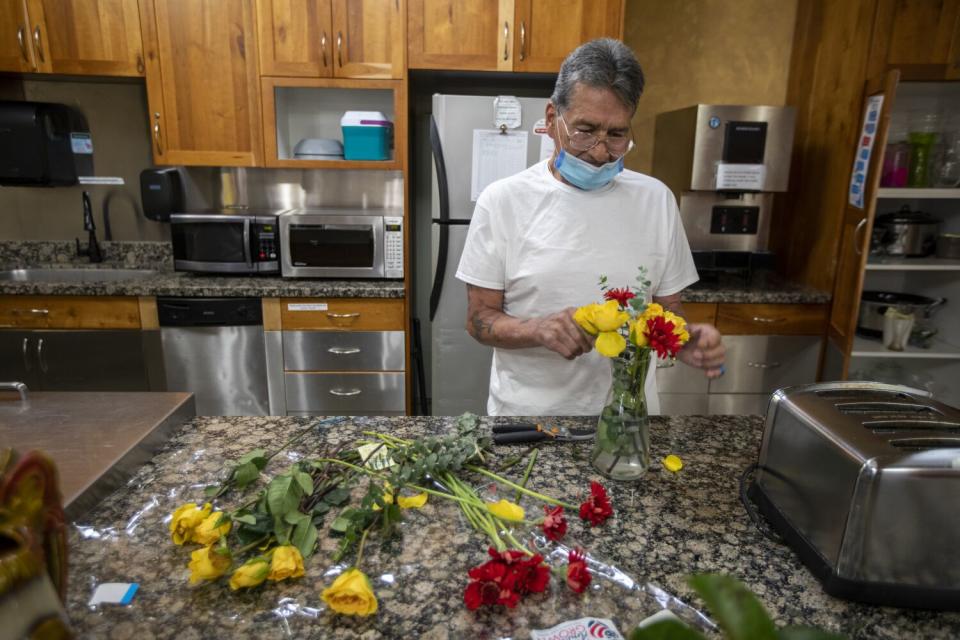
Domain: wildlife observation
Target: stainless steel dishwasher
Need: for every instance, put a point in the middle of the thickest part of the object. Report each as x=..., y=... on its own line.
x=214, y=347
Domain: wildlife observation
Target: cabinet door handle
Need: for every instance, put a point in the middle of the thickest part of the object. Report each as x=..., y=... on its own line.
x=323, y=47
x=36, y=41
x=40, y=312
x=23, y=45
x=26, y=358
x=343, y=351
x=19, y=387
x=156, y=132
x=340, y=48
x=523, y=41
x=768, y=320
x=856, y=232
x=506, y=40
x=763, y=365
x=340, y=391
x=341, y=316
x=43, y=363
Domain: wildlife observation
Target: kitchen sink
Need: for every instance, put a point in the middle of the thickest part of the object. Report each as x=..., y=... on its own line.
x=74, y=275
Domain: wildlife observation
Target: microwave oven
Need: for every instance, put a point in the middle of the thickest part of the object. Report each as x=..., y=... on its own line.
x=225, y=242
x=341, y=243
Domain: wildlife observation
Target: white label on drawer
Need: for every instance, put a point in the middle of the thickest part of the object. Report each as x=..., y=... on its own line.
x=307, y=306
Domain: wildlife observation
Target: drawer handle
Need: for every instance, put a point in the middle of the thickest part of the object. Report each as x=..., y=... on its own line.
x=763, y=365
x=355, y=314
x=343, y=351
x=40, y=312
x=19, y=387
x=768, y=320
x=338, y=391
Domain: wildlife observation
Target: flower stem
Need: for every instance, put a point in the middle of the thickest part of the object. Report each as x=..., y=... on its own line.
x=253, y=544
x=526, y=474
x=514, y=485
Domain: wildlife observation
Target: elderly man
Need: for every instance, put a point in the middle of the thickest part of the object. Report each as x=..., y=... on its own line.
x=539, y=240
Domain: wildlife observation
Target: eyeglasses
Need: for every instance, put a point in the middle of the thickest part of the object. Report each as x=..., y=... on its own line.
x=616, y=143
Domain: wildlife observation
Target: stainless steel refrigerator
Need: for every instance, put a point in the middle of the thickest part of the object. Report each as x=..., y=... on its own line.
x=459, y=366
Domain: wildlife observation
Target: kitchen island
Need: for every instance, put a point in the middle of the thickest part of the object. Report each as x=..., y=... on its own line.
x=664, y=528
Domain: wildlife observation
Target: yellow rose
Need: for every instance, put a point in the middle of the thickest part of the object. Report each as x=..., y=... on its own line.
x=609, y=317
x=637, y=335
x=610, y=344
x=186, y=519
x=207, y=564
x=351, y=594
x=506, y=510
x=286, y=563
x=583, y=316
x=652, y=311
x=412, y=502
x=250, y=574
x=207, y=533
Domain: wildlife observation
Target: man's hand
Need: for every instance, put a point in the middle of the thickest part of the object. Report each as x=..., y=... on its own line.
x=560, y=332
x=704, y=350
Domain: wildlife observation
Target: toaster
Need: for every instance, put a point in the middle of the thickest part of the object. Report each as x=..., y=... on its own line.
x=862, y=480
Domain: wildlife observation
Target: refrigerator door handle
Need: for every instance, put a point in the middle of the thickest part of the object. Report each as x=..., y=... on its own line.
x=444, y=202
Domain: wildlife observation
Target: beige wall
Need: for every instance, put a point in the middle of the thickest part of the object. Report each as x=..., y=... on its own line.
x=116, y=113
x=706, y=51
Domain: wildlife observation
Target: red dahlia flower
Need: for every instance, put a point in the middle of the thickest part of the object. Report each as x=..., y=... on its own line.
x=597, y=508
x=554, y=524
x=661, y=337
x=622, y=295
x=578, y=576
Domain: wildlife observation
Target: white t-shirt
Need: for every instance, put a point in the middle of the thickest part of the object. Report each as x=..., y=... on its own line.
x=545, y=244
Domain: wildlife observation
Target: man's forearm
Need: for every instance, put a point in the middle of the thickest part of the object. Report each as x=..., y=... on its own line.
x=497, y=329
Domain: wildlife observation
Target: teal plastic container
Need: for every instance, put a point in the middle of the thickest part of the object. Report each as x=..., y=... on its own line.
x=366, y=135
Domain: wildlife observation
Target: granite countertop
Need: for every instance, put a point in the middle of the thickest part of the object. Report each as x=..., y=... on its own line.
x=762, y=287
x=664, y=528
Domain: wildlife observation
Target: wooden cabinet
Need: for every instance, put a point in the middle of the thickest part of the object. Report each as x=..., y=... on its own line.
x=921, y=38
x=82, y=37
x=331, y=38
x=772, y=319
x=69, y=312
x=16, y=52
x=203, y=87
x=509, y=35
x=342, y=314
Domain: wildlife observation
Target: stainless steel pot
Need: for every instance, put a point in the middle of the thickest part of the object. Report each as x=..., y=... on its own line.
x=873, y=304
x=906, y=233
x=948, y=246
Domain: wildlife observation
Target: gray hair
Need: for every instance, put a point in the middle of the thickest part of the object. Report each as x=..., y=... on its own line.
x=604, y=63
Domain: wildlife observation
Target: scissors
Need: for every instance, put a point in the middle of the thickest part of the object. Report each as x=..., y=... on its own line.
x=527, y=432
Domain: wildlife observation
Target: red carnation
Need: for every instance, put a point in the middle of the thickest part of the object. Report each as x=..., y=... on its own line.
x=622, y=295
x=597, y=508
x=663, y=340
x=554, y=524
x=505, y=578
x=578, y=576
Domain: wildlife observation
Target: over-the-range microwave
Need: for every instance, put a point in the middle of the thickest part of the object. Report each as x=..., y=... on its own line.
x=341, y=243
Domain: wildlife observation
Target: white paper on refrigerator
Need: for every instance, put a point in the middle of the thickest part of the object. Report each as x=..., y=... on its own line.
x=496, y=155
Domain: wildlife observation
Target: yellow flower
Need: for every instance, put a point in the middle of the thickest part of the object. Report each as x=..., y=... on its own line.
x=679, y=326
x=351, y=594
x=207, y=533
x=652, y=311
x=412, y=502
x=637, y=335
x=608, y=316
x=506, y=510
x=186, y=519
x=250, y=574
x=286, y=563
x=207, y=564
x=610, y=344
x=583, y=316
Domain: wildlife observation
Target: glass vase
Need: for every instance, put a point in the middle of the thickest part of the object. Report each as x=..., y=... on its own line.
x=621, y=449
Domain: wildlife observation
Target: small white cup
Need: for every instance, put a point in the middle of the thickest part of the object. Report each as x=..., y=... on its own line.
x=896, y=328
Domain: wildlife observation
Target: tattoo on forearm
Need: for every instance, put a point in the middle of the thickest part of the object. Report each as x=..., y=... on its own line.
x=481, y=326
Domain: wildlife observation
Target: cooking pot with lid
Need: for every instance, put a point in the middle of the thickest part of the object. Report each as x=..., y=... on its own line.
x=906, y=233
x=873, y=304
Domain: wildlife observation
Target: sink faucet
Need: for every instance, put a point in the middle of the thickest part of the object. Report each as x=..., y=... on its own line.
x=93, y=249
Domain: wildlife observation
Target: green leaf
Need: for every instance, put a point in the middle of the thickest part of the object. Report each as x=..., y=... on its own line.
x=305, y=482
x=807, y=633
x=666, y=630
x=283, y=495
x=320, y=508
x=282, y=529
x=245, y=473
x=211, y=490
x=295, y=517
x=336, y=497
x=340, y=524
x=305, y=538
x=737, y=610
x=247, y=518
x=258, y=457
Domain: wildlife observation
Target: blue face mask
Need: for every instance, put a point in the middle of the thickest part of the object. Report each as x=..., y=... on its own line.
x=584, y=175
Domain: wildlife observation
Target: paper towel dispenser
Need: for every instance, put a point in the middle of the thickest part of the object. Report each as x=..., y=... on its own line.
x=43, y=144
